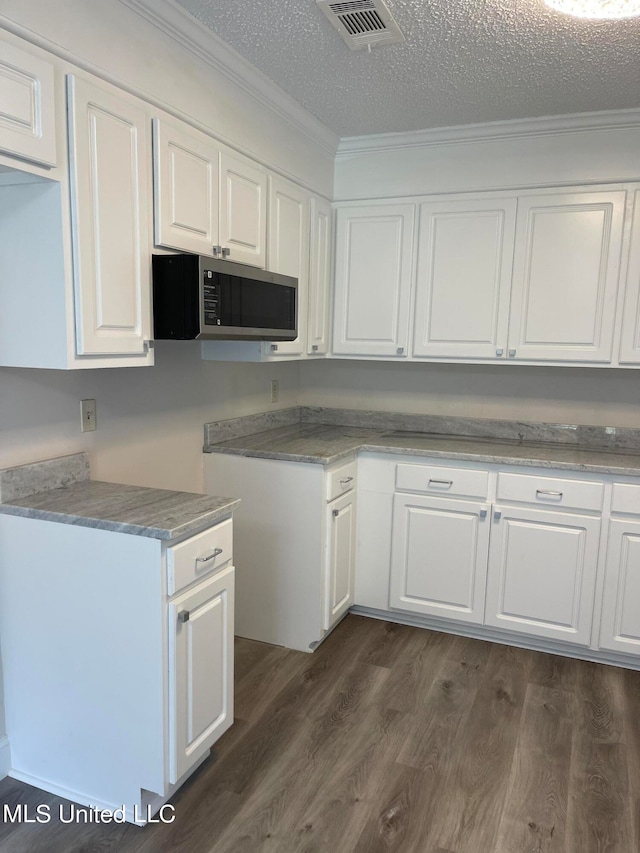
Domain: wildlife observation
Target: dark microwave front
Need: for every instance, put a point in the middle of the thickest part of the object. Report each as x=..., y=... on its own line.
x=198, y=297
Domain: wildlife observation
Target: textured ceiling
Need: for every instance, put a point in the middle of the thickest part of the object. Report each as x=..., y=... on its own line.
x=464, y=61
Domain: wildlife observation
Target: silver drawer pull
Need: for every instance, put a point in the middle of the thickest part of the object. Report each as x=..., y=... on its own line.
x=548, y=493
x=441, y=482
x=183, y=616
x=216, y=553
x=346, y=481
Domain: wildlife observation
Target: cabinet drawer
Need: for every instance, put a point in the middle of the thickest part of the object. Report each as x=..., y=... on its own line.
x=341, y=480
x=196, y=557
x=550, y=491
x=626, y=498
x=435, y=480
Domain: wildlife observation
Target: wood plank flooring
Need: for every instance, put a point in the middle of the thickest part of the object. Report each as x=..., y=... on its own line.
x=397, y=739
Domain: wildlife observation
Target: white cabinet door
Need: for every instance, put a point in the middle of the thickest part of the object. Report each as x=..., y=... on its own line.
x=109, y=162
x=243, y=209
x=620, y=625
x=439, y=557
x=27, y=106
x=186, y=168
x=374, y=263
x=289, y=249
x=630, y=341
x=465, y=253
x=341, y=552
x=542, y=570
x=319, y=277
x=200, y=670
x=565, y=279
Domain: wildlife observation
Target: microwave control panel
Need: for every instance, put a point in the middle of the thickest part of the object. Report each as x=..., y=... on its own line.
x=211, y=295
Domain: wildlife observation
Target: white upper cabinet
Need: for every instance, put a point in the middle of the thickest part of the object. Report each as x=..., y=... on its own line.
x=464, y=278
x=27, y=108
x=565, y=279
x=109, y=160
x=186, y=171
x=374, y=267
x=289, y=249
x=208, y=199
x=319, y=277
x=243, y=209
x=630, y=341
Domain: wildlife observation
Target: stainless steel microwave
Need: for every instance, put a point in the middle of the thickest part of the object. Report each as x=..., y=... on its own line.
x=198, y=297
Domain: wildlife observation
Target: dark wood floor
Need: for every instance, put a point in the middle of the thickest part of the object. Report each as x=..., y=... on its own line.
x=391, y=738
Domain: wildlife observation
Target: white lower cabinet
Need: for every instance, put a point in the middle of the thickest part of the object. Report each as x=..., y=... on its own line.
x=620, y=624
x=439, y=557
x=542, y=572
x=200, y=669
x=297, y=556
x=104, y=662
x=341, y=557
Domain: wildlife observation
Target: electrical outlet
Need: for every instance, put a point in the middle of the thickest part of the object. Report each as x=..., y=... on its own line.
x=274, y=390
x=88, y=415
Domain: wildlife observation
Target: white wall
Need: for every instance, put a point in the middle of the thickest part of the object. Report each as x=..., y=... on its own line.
x=551, y=394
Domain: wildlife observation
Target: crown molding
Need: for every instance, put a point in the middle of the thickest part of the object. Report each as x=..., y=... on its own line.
x=200, y=41
x=498, y=130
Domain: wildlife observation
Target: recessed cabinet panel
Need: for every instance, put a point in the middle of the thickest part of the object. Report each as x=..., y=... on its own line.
x=542, y=569
x=341, y=557
x=373, y=280
x=108, y=164
x=243, y=209
x=439, y=557
x=289, y=249
x=27, y=110
x=201, y=669
x=565, y=279
x=319, y=277
x=464, y=278
x=620, y=626
x=630, y=341
x=186, y=174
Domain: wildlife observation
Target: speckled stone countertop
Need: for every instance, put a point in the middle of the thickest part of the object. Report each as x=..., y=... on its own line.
x=70, y=497
x=326, y=444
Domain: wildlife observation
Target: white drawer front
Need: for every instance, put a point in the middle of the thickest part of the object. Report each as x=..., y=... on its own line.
x=198, y=556
x=626, y=498
x=341, y=480
x=436, y=480
x=550, y=491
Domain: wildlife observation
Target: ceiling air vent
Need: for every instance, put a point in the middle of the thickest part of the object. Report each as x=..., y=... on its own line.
x=362, y=23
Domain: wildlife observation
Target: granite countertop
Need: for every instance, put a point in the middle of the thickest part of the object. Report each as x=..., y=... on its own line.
x=325, y=444
x=155, y=513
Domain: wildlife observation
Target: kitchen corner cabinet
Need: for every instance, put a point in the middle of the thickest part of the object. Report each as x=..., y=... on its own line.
x=118, y=674
x=27, y=114
x=373, y=279
x=207, y=198
x=463, y=278
x=109, y=157
x=320, y=277
x=630, y=338
x=288, y=252
x=297, y=557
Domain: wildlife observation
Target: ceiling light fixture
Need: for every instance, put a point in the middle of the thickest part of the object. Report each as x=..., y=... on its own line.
x=597, y=9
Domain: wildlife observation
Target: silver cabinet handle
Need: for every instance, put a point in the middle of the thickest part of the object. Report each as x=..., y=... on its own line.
x=400, y=350
x=315, y=347
x=500, y=353
x=226, y=252
x=215, y=251
x=497, y=515
x=441, y=482
x=274, y=347
x=549, y=493
x=483, y=513
x=346, y=481
x=183, y=616
x=212, y=556
x=512, y=353
x=335, y=513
